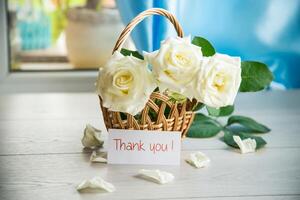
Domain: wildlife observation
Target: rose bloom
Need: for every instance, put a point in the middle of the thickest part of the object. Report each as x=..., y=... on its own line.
x=218, y=81
x=175, y=65
x=125, y=84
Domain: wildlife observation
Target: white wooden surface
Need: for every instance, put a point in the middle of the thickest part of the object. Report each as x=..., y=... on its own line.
x=41, y=156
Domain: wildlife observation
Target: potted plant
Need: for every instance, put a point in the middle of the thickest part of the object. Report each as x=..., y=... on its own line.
x=90, y=32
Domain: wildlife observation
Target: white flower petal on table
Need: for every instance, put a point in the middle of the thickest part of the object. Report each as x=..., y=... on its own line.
x=156, y=176
x=92, y=137
x=98, y=158
x=96, y=183
x=198, y=160
x=246, y=146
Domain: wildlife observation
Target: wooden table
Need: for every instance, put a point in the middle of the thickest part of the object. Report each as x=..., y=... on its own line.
x=42, y=156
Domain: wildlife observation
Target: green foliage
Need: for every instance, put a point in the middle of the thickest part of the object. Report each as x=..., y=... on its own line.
x=203, y=127
x=255, y=76
x=198, y=106
x=206, y=47
x=176, y=97
x=58, y=15
x=249, y=124
x=219, y=112
x=136, y=54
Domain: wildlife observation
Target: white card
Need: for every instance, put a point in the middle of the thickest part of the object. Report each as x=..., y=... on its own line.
x=143, y=147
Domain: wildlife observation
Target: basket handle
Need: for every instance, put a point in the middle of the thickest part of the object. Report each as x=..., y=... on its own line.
x=153, y=11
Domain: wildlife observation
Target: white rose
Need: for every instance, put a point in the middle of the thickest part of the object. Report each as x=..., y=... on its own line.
x=125, y=84
x=175, y=65
x=219, y=80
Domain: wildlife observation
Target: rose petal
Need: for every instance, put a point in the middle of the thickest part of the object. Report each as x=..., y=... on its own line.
x=98, y=158
x=198, y=160
x=96, y=183
x=156, y=176
x=92, y=137
x=246, y=146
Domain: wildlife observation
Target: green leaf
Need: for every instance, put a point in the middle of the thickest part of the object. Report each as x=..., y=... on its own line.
x=198, y=106
x=176, y=97
x=206, y=47
x=220, y=112
x=203, y=127
x=255, y=76
x=250, y=124
x=136, y=54
x=202, y=117
x=228, y=139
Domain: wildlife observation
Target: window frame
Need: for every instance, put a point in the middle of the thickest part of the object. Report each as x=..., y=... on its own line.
x=56, y=81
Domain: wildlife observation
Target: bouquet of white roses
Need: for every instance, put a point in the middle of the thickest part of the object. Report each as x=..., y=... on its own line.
x=190, y=74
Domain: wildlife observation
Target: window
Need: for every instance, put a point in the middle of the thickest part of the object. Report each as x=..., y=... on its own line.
x=52, y=35
x=55, y=45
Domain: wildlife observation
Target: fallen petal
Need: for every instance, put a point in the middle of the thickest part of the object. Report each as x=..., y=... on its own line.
x=92, y=137
x=157, y=176
x=198, y=160
x=96, y=183
x=246, y=146
x=101, y=158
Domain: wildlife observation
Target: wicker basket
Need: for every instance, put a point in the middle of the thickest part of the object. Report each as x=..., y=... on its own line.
x=160, y=112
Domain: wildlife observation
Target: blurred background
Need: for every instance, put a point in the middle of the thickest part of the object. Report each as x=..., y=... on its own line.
x=77, y=35
x=61, y=34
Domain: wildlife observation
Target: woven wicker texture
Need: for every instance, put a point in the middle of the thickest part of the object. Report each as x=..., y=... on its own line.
x=160, y=112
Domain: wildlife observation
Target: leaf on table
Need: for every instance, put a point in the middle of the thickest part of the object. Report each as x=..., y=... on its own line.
x=248, y=124
x=203, y=127
x=136, y=54
x=228, y=139
x=206, y=47
x=255, y=76
x=220, y=112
